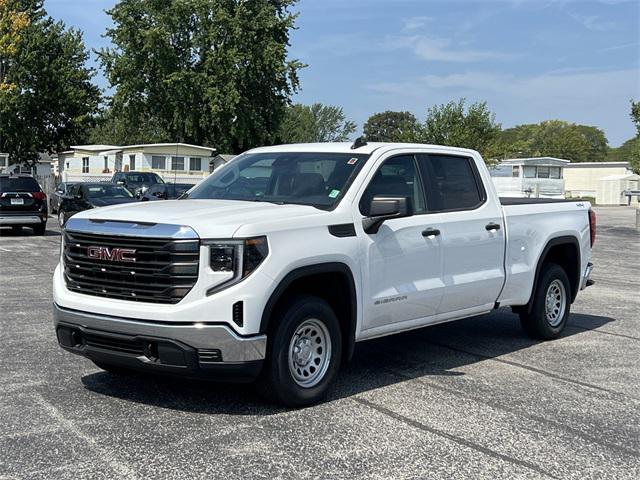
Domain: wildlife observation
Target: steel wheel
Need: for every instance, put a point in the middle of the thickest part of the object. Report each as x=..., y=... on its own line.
x=555, y=303
x=61, y=218
x=309, y=353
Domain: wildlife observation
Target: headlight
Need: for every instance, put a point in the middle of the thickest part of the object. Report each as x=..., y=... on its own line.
x=239, y=257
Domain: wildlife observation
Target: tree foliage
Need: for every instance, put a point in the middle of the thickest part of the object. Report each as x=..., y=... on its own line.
x=48, y=100
x=455, y=125
x=634, y=150
x=392, y=127
x=552, y=138
x=209, y=72
x=315, y=123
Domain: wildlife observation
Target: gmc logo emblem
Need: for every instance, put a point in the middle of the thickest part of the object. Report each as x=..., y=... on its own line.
x=112, y=254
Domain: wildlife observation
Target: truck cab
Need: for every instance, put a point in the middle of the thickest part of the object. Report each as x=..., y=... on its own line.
x=273, y=267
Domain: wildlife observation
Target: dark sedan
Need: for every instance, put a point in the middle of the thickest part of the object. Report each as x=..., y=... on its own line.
x=165, y=191
x=84, y=196
x=62, y=190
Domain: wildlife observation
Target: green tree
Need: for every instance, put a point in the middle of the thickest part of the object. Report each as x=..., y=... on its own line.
x=552, y=138
x=210, y=72
x=315, y=123
x=634, y=154
x=392, y=127
x=47, y=100
x=455, y=125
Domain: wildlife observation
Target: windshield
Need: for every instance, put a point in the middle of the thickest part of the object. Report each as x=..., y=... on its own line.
x=317, y=179
x=18, y=184
x=108, y=191
x=143, y=178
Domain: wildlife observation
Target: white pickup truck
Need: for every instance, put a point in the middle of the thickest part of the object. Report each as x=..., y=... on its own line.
x=273, y=267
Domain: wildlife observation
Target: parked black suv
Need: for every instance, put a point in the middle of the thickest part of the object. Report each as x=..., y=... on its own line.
x=165, y=191
x=22, y=203
x=136, y=182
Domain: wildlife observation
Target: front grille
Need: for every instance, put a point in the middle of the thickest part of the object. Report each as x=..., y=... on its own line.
x=164, y=271
x=116, y=344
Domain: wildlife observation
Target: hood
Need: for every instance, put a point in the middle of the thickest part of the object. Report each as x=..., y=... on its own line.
x=209, y=218
x=103, y=202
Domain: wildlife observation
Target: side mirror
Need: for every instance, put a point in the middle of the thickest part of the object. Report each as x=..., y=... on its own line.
x=386, y=208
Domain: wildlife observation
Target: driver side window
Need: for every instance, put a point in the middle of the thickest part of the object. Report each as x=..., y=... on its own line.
x=396, y=177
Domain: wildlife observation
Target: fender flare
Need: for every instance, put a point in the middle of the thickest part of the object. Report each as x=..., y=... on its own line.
x=309, y=270
x=554, y=242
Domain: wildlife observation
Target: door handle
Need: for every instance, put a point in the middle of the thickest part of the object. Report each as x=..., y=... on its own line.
x=492, y=226
x=430, y=232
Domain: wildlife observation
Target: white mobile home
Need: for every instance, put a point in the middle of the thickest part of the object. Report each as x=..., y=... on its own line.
x=530, y=177
x=179, y=161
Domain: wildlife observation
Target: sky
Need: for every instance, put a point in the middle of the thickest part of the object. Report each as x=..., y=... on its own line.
x=530, y=60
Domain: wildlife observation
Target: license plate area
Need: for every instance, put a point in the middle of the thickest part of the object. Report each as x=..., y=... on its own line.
x=17, y=201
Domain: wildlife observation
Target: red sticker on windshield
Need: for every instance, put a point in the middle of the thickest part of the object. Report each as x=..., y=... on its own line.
x=352, y=161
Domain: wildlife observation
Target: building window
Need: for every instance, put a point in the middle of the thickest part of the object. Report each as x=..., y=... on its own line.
x=516, y=171
x=132, y=162
x=543, y=172
x=529, y=172
x=158, y=162
x=106, y=163
x=195, y=164
x=177, y=163
x=3, y=161
x=85, y=164
x=555, y=172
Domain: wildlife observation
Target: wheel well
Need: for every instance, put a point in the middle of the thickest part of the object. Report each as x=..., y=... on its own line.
x=563, y=251
x=333, y=285
x=568, y=257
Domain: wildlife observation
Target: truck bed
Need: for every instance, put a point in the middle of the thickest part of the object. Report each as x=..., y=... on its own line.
x=529, y=201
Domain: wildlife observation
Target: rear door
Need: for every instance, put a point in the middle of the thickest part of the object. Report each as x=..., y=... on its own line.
x=471, y=233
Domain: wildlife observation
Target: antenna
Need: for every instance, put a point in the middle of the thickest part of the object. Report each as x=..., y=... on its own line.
x=360, y=142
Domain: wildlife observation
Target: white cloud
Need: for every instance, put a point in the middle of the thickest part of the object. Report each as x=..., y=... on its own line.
x=594, y=22
x=416, y=23
x=592, y=98
x=444, y=50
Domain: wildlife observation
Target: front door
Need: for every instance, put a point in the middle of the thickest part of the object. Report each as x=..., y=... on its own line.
x=402, y=266
x=471, y=233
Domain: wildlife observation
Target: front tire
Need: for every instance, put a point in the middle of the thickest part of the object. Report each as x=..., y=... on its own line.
x=550, y=308
x=112, y=369
x=40, y=229
x=304, y=352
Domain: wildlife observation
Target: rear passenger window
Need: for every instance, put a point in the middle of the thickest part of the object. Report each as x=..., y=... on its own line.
x=396, y=177
x=451, y=183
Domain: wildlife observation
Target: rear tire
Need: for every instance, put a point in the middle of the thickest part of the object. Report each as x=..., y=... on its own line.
x=551, y=304
x=40, y=229
x=303, y=354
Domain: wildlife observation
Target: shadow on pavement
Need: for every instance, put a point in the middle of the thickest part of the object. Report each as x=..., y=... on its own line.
x=431, y=351
x=26, y=232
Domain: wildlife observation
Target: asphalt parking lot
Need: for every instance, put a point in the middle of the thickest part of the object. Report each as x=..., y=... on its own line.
x=469, y=399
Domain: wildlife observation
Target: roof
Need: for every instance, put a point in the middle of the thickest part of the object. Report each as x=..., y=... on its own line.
x=345, y=147
x=626, y=176
x=94, y=148
x=144, y=145
x=536, y=161
x=599, y=165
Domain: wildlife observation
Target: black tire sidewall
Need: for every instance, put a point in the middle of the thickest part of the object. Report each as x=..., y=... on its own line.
x=536, y=322
x=283, y=387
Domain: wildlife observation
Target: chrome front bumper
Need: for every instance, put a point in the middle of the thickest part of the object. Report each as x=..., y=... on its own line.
x=234, y=349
